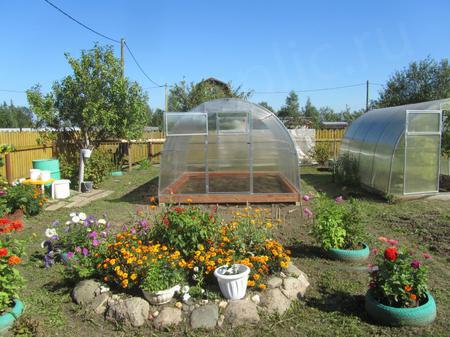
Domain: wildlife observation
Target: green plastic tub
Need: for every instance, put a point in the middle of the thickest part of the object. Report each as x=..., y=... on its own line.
x=51, y=165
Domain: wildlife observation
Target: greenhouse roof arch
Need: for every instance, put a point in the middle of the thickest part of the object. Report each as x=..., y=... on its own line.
x=228, y=151
x=397, y=149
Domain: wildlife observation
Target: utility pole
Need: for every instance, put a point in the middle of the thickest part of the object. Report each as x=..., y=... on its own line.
x=166, y=95
x=367, y=95
x=122, y=58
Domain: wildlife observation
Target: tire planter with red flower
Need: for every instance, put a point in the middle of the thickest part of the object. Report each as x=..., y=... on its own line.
x=348, y=255
x=8, y=318
x=393, y=316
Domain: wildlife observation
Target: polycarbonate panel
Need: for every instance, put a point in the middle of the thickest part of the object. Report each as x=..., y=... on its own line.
x=422, y=163
x=398, y=165
x=246, y=149
x=184, y=123
x=423, y=122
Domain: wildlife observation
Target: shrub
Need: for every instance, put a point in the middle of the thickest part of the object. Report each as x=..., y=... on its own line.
x=28, y=198
x=399, y=279
x=11, y=250
x=185, y=228
x=347, y=170
x=162, y=274
x=337, y=224
x=321, y=153
x=96, y=169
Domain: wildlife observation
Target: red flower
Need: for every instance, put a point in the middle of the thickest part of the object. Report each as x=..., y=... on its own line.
x=3, y=251
x=391, y=253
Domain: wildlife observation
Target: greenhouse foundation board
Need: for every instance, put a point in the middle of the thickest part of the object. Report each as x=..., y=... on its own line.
x=230, y=187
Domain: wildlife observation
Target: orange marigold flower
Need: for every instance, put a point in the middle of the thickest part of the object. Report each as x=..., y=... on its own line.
x=262, y=286
x=250, y=283
x=14, y=259
x=256, y=277
x=408, y=288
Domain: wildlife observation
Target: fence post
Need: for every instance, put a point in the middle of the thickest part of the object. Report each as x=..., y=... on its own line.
x=130, y=162
x=8, y=167
x=151, y=151
x=54, y=150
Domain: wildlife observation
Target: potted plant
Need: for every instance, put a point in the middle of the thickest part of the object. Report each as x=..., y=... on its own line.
x=162, y=281
x=232, y=280
x=11, y=280
x=398, y=293
x=337, y=226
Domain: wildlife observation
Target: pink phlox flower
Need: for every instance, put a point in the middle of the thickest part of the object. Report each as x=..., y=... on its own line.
x=426, y=256
x=415, y=264
x=307, y=212
x=382, y=238
x=306, y=197
x=392, y=241
x=339, y=199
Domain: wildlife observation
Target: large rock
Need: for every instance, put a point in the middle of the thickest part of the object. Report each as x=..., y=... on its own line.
x=274, y=301
x=167, y=317
x=241, y=312
x=205, y=317
x=274, y=282
x=292, y=270
x=131, y=311
x=293, y=288
x=85, y=291
x=99, y=304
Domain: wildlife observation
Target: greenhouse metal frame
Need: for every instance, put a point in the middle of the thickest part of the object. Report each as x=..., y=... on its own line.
x=228, y=151
x=397, y=150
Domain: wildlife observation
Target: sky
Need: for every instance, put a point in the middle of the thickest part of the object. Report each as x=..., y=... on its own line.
x=266, y=46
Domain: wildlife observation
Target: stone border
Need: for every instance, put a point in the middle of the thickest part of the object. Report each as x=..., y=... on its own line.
x=290, y=285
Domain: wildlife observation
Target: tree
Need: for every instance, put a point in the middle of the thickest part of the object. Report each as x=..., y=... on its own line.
x=266, y=105
x=184, y=97
x=291, y=108
x=421, y=81
x=349, y=116
x=156, y=118
x=310, y=112
x=96, y=100
x=327, y=114
x=12, y=116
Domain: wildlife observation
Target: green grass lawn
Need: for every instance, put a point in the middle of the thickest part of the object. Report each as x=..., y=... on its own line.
x=334, y=303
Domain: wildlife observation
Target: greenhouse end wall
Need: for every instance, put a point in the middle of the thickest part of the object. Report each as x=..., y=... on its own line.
x=228, y=150
x=397, y=149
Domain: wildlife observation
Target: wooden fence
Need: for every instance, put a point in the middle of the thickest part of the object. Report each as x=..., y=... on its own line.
x=332, y=138
x=27, y=149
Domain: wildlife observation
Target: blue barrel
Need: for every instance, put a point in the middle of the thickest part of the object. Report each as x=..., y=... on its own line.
x=51, y=165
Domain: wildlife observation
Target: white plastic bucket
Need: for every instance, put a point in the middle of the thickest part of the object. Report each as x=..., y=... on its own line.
x=61, y=189
x=45, y=175
x=233, y=287
x=35, y=174
x=86, y=153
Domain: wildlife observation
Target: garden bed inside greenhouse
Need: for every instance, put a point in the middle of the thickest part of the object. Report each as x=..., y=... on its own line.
x=230, y=187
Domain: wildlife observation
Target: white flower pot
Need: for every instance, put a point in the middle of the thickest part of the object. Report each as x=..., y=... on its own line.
x=161, y=297
x=233, y=287
x=86, y=153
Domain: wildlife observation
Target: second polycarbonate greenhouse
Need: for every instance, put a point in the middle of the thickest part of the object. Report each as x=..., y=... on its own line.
x=397, y=150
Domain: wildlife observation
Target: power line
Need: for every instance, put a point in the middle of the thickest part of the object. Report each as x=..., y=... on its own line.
x=310, y=90
x=80, y=23
x=13, y=91
x=139, y=66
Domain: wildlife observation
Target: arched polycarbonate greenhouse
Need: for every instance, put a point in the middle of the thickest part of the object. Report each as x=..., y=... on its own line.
x=228, y=151
x=397, y=149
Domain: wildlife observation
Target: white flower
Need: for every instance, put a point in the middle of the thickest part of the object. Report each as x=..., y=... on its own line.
x=75, y=219
x=50, y=232
x=82, y=216
x=195, y=269
x=185, y=289
x=186, y=297
x=43, y=244
x=102, y=221
x=72, y=214
x=68, y=222
x=103, y=289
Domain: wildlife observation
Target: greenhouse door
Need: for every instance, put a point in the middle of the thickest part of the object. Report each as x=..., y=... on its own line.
x=229, y=154
x=423, y=147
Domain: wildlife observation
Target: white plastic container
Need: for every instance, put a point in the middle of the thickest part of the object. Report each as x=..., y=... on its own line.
x=35, y=174
x=233, y=287
x=45, y=175
x=161, y=297
x=86, y=153
x=61, y=189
